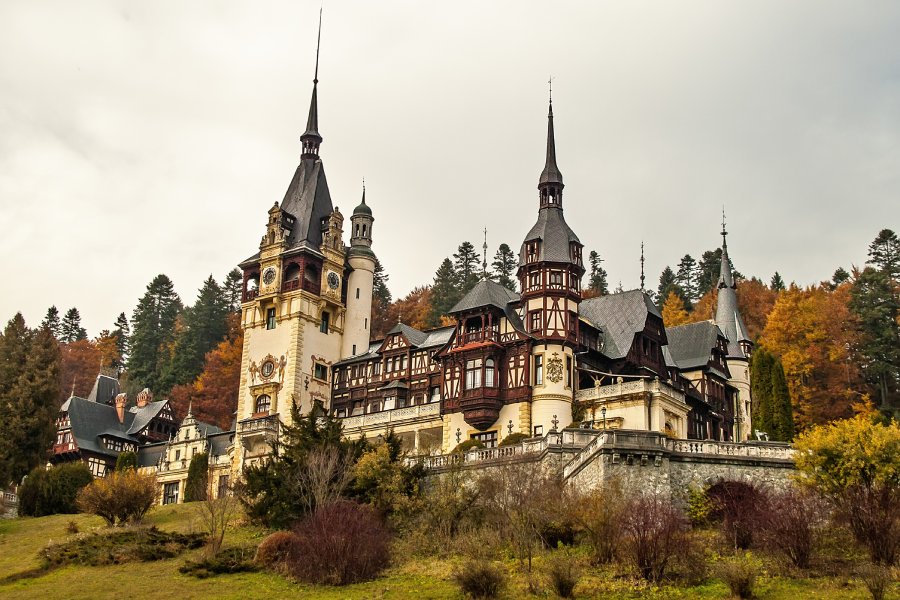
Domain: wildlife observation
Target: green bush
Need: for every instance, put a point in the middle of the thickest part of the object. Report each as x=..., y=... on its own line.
x=53, y=491
x=468, y=445
x=699, y=506
x=135, y=545
x=126, y=460
x=480, y=579
x=513, y=439
x=120, y=497
x=232, y=560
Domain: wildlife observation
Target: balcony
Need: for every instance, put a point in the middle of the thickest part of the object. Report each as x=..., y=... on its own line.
x=625, y=388
x=481, y=406
x=479, y=336
x=251, y=295
x=397, y=415
x=65, y=448
x=259, y=429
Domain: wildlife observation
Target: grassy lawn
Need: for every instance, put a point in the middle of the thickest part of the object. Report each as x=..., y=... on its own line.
x=21, y=541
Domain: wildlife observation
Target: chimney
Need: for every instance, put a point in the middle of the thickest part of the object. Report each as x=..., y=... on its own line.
x=121, y=399
x=144, y=398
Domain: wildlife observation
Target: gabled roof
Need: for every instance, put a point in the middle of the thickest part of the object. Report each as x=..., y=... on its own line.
x=415, y=337
x=90, y=420
x=485, y=293
x=555, y=235
x=438, y=337
x=143, y=416
x=105, y=390
x=692, y=345
x=618, y=317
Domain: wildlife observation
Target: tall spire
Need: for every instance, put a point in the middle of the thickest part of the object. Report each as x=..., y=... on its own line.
x=550, y=176
x=725, y=277
x=642, y=265
x=311, y=138
x=728, y=316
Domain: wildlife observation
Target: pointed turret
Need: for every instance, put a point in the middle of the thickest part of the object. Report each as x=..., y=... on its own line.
x=728, y=316
x=551, y=175
x=311, y=138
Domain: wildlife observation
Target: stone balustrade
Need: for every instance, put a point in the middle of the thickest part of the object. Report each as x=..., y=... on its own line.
x=607, y=392
x=392, y=416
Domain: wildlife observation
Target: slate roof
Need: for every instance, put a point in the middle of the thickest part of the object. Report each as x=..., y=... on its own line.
x=90, y=420
x=143, y=416
x=555, y=235
x=692, y=345
x=149, y=454
x=486, y=293
x=371, y=352
x=219, y=442
x=618, y=317
x=728, y=316
x=309, y=201
x=415, y=337
x=438, y=337
x=105, y=390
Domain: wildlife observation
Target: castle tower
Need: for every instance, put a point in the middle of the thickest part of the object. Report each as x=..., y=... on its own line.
x=360, y=282
x=729, y=320
x=550, y=271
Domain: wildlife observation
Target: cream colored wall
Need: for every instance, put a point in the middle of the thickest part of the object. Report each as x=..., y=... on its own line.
x=740, y=379
x=552, y=398
x=359, y=310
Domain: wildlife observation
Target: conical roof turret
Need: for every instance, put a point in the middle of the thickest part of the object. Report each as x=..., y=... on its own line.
x=728, y=315
x=551, y=173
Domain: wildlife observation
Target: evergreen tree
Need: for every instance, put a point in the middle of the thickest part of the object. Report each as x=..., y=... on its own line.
x=505, y=265
x=709, y=269
x=777, y=283
x=840, y=276
x=51, y=322
x=445, y=292
x=232, y=289
x=122, y=332
x=205, y=325
x=884, y=254
x=29, y=388
x=71, y=330
x=380, y=290
x=875, y=302
x=780, y=402
x=597, y=280
x=668, y=285
x=687, y=277
x=761, y=366
x=153, y=326
x=465, y=265
x=198, y=478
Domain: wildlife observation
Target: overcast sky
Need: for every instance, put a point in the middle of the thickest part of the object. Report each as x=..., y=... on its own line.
x=139, y=138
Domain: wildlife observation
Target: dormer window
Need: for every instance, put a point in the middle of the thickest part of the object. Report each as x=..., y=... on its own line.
x=531, y=251
x=534, y=280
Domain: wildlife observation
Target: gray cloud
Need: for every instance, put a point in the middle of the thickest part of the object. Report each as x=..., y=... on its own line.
x=138, y=138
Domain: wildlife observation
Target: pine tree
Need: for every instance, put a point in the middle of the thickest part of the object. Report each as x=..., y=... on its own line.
x=761, y=366
x=445, y=292
x=875, y=302
x=840, y=276
x=51, y=321
x=597, y=280
x=232, y=289
x=71, y=329
x=153, y=326
x=777, y=283
x=687, y=278
x=465, y=264
x=122, y=332
x=504, y=266
x=29, y=388
x=884, y=254
x=709, y=269
x=205, y=325
x=669, y=285
x=380, y=290
x=780, y=401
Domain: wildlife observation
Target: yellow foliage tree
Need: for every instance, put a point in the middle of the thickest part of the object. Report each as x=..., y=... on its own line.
x=673, y=311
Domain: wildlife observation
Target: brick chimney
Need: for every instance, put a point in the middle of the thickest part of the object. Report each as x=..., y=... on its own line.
x=144, y=398
x=121, y=400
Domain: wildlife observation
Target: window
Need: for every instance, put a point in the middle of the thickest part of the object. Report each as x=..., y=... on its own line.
x=353, y=352
x=534, y=320
x=366, y=325
x=539, y=369
x=263, y=404
x=170, y=493
x=489, y=372
x=223, y=486
x=357, y=293
x=435, y=394
x=568, y=371
x=390, y=403
x=376, y=368
x=320, y=372
x=531, y=252
x=538, y=430
x=473, y=374
x=97, y=467
x=270, y=318
x=323, y=327
x=488, y=438
x=556, y=278
x=534, y=280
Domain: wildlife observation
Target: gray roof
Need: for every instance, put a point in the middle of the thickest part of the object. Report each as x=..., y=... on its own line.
x=438, y=337
x=149, y=454
x=309, y=201
x=219, y=442
x=485, y=293
x=728, y=316
x=691, y=345
x=551, y=173
x=371, y=352
x=90, y=420
x=415, y=337
x=105, y=390
x=143, y=416
x=555, y=235
x=618, y=317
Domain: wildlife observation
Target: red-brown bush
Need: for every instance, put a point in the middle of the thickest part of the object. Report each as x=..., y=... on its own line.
x=342, y=542
x=792, y=524
x=277, y=551
x=740, y=507
x=654, y=529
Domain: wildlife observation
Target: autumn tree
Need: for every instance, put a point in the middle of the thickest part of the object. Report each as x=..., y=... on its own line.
x=52, y=323
x=597, y=278
x=755, y=301
x=673, y=312
x=80, y=363
x=505, y=265
x=29, y=392
x=667, y=285
x=70, y=329
x=153, y=334
x=414, y=309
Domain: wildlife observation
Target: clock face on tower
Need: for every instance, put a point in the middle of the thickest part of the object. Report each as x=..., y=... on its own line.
x=333, y=280
x=269, y=275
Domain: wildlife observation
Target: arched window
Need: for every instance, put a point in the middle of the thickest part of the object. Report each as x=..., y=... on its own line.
x=263, y=403
x=489, y=371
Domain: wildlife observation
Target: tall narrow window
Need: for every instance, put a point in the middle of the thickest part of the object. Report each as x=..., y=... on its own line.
x=170, y=492
x=473, y=374
x=270, y=318
x=534, y=318
x=320, y=372
x=263, y=403
x=353, y=352
x=489, y=371
x=326, y=316
x=568, y=371
x=357, y=293
x=539, y=369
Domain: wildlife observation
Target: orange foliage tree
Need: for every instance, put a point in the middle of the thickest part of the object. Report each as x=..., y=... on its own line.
x=80, y=363
x=755, y=301
x=673, y=312
x=808, y=329
x=413, y=309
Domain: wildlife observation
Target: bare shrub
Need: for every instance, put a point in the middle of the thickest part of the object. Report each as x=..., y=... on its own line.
x=72, y=527
x=277, y=551
x=691, y=563
x=739, y=506
x=654, y=529
x=599, y=513
x=873, y=515
x=563, y=573
x=323, y=478
x=792, y=524
x=740, y=572
x=342, y=542
x=480, y=579
x=216, y=514
x=877, y=579
x=119, y=498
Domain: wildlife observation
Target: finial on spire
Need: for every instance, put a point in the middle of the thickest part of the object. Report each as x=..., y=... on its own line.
x=724, y=233
x=311, y=138
x=190, y=407
x=550, y=83
x=318, y=44
x=484, y=256
x=550, y=176
x=642, y=265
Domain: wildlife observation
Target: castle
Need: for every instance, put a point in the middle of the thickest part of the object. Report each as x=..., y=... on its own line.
x=535, y=363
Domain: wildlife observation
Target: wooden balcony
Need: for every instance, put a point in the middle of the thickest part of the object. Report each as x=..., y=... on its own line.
x=65, y=448
x=480, y=336
x=481, y=406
